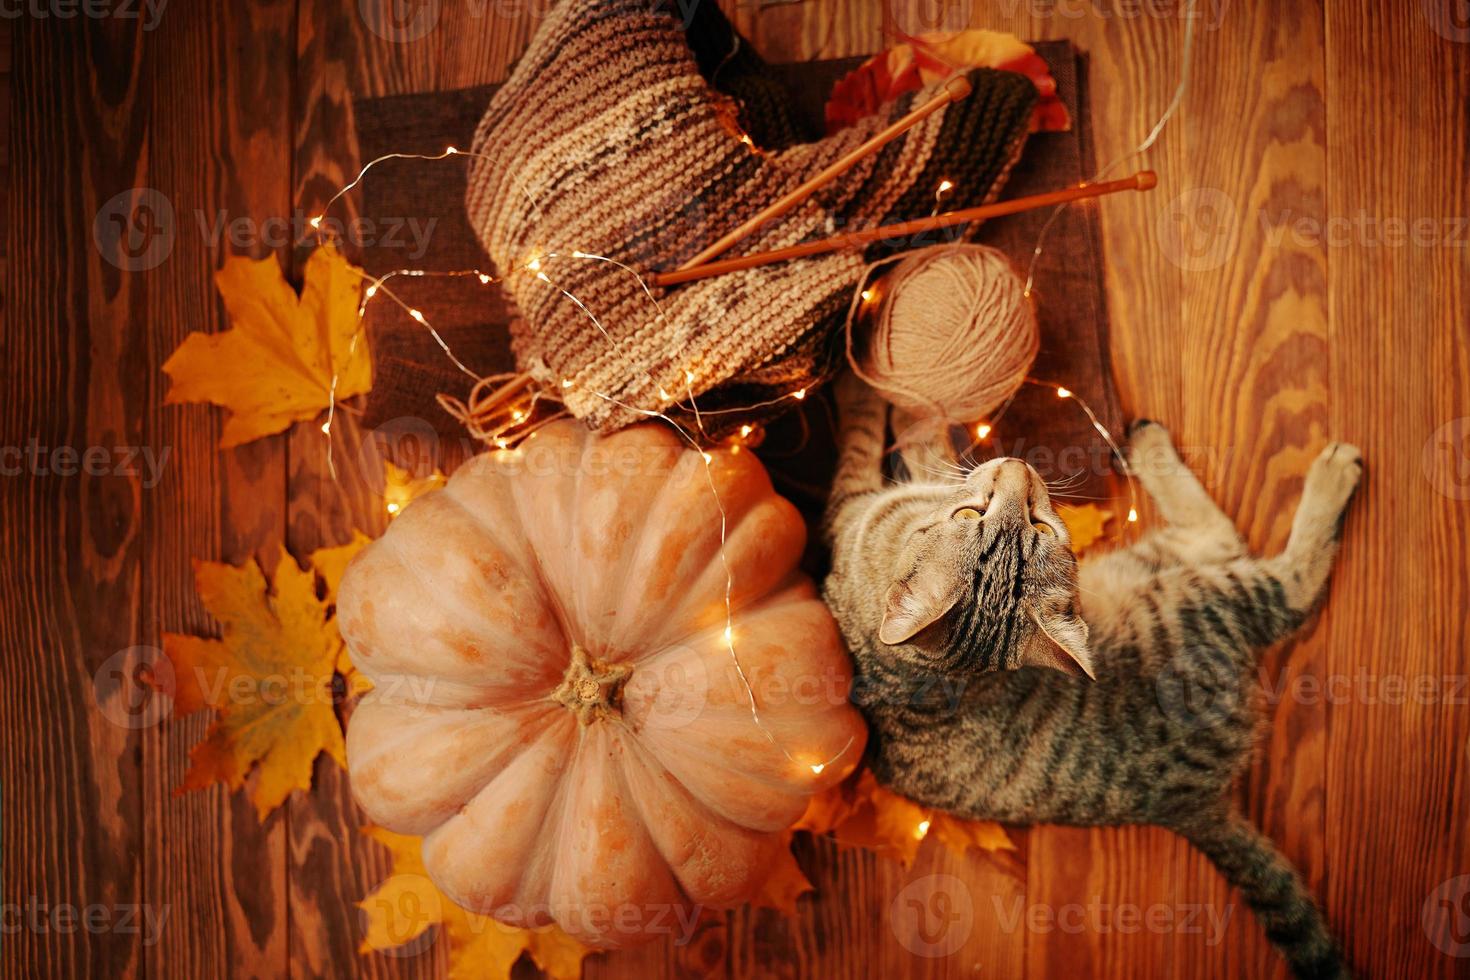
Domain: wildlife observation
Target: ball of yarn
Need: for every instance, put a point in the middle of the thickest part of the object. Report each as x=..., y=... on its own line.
x=954, y=332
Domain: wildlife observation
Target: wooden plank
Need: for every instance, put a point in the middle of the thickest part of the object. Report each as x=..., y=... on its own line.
x=73, y=583
x=1253, y=323
x=1398, y=82
x=219, y=136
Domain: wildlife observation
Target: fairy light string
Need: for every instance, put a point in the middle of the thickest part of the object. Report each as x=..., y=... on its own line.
x=522, y=424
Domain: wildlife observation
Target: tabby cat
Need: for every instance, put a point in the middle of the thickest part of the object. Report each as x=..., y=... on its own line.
x=1003, y=681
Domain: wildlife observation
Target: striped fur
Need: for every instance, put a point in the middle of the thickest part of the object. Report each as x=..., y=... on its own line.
x=1173, y=625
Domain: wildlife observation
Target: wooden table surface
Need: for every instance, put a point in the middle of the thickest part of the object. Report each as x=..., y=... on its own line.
x=1299, y=275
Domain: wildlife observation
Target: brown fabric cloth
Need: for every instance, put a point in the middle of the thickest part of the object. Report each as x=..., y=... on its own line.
x=410, y=369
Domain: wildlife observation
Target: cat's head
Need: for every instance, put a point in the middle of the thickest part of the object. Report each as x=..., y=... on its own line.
x=989, y=581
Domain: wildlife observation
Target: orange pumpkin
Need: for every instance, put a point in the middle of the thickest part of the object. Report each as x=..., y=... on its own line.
x=556, y=708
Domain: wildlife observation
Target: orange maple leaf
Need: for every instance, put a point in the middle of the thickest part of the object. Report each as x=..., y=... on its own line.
x=275, y=365
x=1085, y=523
x=785, y=884
x=269, y=677
x=860, y=813
x=402, y=909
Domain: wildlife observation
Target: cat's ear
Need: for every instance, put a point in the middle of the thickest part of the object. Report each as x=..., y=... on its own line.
x=918, y=601
x=1061, y=645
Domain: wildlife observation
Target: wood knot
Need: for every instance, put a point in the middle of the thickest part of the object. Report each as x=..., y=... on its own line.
x=591, y=688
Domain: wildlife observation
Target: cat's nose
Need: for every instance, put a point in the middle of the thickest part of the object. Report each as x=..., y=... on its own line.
x=1013, y=483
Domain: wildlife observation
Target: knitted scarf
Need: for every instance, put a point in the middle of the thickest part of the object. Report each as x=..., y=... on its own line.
x=606, y=141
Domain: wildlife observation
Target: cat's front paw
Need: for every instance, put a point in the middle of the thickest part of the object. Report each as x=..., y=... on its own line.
x=1148, y=439
x=1335, y=474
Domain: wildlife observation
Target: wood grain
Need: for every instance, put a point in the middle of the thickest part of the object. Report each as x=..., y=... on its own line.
x=1260, y=305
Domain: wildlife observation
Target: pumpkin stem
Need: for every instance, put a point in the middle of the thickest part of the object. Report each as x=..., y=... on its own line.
x=592, y=689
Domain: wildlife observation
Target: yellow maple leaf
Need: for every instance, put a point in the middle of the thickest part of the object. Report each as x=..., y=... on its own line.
x=331, y=564
x=1085, y=523
x=407, y=903
x=269, y=677
x=401, y=487
x=275, y=365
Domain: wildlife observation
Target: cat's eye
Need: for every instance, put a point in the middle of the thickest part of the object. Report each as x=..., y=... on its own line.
x=967, y=514
x=1045, y=528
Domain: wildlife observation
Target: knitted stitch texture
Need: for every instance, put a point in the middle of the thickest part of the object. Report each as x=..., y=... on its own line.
x=605, y=141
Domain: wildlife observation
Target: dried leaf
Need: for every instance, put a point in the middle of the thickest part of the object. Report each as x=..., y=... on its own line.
x=786, y=884
x=928, y=59
x=407, y=904
x=274, y=366
x=269, y=677
x=860, y=813
x=960, y=835
x=331, y=565
x=401, y=487
x=1085, y=523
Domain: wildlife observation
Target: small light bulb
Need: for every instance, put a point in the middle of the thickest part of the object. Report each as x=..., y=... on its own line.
x=817, y=767
x=944, y=186
x=501, y=443
x=745, y=431
x=417, y=316
x=745, y=138
x=317, y=221
x=542, y=277
x=1064, y=393
x=484, y=279
x=450, y=151
x=707, y=457
x=535, y=263
x=867, y=296
x=392, y=507
x=728, y=635
x=663, y=395
x=327, y=428
x=566, y=382
x=982, y=430
x=922, y=829
x=799, y=395
x=689, y=377
x=1132, y=515
x=517, y=414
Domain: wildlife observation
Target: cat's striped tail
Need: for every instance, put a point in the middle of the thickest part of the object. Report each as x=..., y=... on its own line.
x=1272, y=889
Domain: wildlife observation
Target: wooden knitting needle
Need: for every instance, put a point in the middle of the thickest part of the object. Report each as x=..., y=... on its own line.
x=955, y=89
x=1141, y=181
